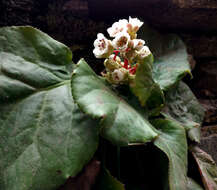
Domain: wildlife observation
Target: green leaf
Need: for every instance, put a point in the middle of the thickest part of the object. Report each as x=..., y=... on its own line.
x=107, y=182
x=172, y=141
x=206, y=166
x=192, y=185
x=44, y=138
x=120, y=122
x=30, y=61
x=144, y=87
x=171, y=58
x=182, y=105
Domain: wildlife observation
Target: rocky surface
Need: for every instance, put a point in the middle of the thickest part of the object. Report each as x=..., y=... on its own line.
x=209, y=130
x=206, y=78
x=204, y=85
x=201, y=46
x=177, y=15
x=209, y=140
x=23, y=11
x=210, y=106
x=65, y=20
x=209, y=145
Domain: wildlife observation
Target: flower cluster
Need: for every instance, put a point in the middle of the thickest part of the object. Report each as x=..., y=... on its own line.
x=122, y=54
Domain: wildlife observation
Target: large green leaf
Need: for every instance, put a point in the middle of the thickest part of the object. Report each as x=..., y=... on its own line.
x=171, y=59
x=144, y=87
x=206, y=166
x=44, y=138
x=182, y=105
x=30, y=61
x=172, y=141
x=120, y=122
x=107, y=182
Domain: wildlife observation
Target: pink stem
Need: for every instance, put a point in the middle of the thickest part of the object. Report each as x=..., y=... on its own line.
x=125, y=63
x=133, y=70
x=116, y=53
x=128, y=49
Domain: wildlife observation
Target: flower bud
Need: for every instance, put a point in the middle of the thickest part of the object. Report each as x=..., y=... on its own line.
x=112, y=63
x=119, y=76
x=144, y=52
x=133, y=26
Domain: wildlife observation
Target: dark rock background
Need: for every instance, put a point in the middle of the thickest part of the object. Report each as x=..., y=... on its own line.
x=77, y=22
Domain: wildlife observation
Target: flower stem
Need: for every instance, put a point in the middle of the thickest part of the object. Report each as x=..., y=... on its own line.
x=125, y=63
x=116, y=53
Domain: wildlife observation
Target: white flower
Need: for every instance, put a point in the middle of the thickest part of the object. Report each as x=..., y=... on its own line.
x=144, y=52
x=134, y=24
x=102, y=46
x=118, y=75
x=138, y=44
x=117, y=27
x=121, y=41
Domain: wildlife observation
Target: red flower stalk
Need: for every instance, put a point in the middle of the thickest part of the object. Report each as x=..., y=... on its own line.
x=125, y=63
x=128, y=49
x=133, y=70
x=116, y=53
